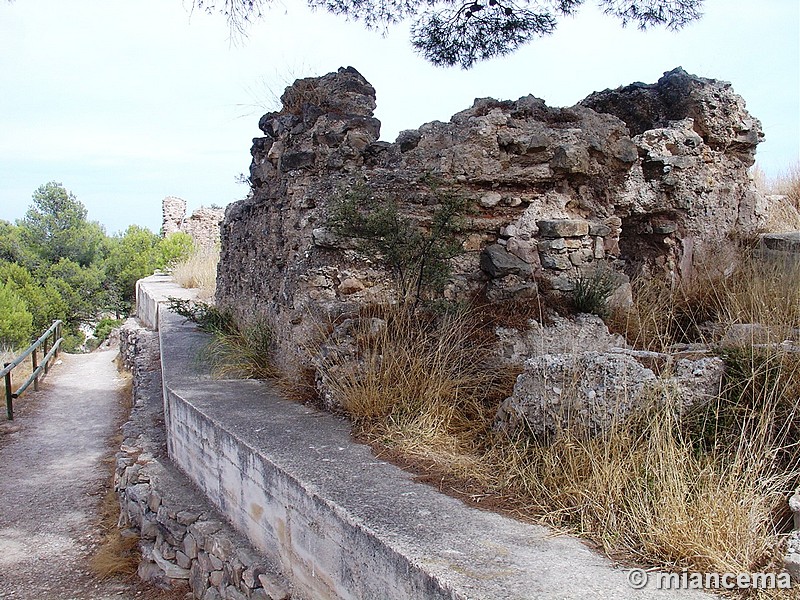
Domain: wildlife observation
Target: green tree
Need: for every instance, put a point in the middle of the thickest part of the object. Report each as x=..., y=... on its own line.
x=131, y=256
x=458, y=32
x=12, y=247
x=55, y=227
x=81, y=289
x=43, y=300
x=172, y=249
x=16, y=323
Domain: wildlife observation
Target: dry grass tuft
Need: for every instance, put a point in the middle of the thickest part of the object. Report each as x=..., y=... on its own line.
x=788, y=184
x=117, y=555
x=423, y=384
x=18, y=375
x=243, y=351
x=784, y=211
x=199, y=271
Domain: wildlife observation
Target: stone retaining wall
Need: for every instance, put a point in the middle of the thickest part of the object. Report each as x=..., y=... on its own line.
x=183, y=540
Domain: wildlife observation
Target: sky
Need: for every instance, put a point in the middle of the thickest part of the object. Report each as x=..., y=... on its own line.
x=125, y=102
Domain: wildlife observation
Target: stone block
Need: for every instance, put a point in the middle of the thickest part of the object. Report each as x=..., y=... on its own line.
x=599, y=249
x=599, y=229
x=231, y=593
x=170, y=569
x=490, y=199
x=190, y=546
x=524, y=250
x=558, y=262
x=202, y=529
x=555, y=228
x=198, y=579
x=497, y=262
x=274, y=586
x=581, y=257
x=350, y=285
x=221, y=546
x=587, y=391
x=551, y=245
x=212, y=594
x=187, y=517
x=182, y=560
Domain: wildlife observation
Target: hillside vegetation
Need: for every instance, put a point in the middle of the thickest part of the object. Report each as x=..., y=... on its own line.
x=57, y=264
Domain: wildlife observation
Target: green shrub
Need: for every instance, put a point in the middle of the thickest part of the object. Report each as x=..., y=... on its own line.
x=593, y=290
x=16, y=323
x=104, y=328
x=418, y=255
x=237, y=350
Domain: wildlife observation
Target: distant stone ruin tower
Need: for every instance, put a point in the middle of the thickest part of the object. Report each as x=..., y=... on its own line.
x=202, y=225
x=173, y=210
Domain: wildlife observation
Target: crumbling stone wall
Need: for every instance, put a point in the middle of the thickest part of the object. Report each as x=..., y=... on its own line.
x=642, y=179
x=203, y=224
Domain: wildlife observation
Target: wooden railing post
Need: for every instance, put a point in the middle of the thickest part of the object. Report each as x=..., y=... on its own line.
x=46, y=362
x=35, y=361
x=9, y=396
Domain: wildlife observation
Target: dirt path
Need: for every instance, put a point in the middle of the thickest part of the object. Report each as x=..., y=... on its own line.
x=52, y=476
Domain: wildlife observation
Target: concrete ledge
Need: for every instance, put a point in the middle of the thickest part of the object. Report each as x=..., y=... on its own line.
x=342, y=524
x=154, y=290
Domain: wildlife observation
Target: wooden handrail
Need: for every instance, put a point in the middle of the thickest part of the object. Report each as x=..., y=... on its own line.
x=55, y=331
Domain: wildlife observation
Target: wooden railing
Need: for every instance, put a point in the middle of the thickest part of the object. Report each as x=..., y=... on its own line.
x=50, y=351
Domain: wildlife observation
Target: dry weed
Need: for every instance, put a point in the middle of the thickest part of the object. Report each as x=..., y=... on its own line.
x=117, y=555
x=199, y=271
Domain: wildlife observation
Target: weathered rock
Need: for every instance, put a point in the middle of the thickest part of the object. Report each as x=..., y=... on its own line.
x=794, y=506
x=585, y=392
x=581, y=333
x=171, y=570
x=498, y=262
x=699, y=380
x=791, y=564
x=275, y=588
x=562, y=228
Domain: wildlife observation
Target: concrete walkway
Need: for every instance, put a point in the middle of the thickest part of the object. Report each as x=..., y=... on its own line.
x=52, y=475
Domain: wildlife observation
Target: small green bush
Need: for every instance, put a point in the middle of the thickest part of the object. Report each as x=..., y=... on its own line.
x=16, y=323
x=207, y=316
x=593, y=290
x=418, y=255
x=236, y=350
x=104, y=328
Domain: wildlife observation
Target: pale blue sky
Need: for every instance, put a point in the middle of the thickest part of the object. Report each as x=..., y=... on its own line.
x=128, y=101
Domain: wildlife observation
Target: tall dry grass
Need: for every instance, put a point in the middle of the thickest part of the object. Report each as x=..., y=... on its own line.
x=423, y=384
x=788, y=184
x=199, y=271
x=784, y=211
x=703, y=489
x=724, y=291
x=18, y=375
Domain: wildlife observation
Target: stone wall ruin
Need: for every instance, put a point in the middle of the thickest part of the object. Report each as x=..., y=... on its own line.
x=641, y=179
x=203, y=224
